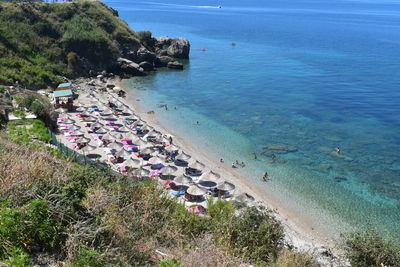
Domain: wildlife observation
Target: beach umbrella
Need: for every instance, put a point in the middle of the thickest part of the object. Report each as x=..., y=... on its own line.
x=88, y=148
x=141, y=143
x=226, y=186
x=197, y=165
x=116, y=88
x=131, y=136
x=156, y=160
x=143, y=173
x=124, y=129
x=115, y=145
x=85, y=113
x=196, y=190
x=78, y=133
x=133, y=163
x=123, y=153
x=183, y=156
x=110, y=118
x=74, y=127
x=210, y=176
x=61, y=110
x=117, y=135
x=80, y=140
x=81, y=109
x=90, y=119
x=99, y=76
x=68, y=121
x=183, y=180
x=146, y=128
x=101, y=130
x=171, y=148
x=96, y=125
x=147, y=151
x=169, y=170
x=105, y=113
x=244, y=197
x=108, y=136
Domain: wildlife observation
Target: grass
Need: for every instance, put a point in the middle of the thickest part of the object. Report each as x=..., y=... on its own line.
x=40, y=42
x=98, y=219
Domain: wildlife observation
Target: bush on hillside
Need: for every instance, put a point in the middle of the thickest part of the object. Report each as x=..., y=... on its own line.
x=368, y=248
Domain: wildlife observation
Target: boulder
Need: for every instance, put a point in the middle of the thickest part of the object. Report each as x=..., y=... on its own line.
x=163, y=61
x=129, y=67
x=175, y=65
x=147, y=66
x=145, y=55
x=173, y=47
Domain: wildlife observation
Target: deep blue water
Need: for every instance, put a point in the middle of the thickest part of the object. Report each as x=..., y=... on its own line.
x=313, y=74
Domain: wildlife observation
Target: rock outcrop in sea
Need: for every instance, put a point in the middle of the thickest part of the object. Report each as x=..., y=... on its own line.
x=138, y=59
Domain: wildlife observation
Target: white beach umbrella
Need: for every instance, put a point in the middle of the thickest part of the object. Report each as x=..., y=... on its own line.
x=78, y=133
x=117, y=135
x=143, y=173
x=116, y=145
x=244, y=197
x=90, y=119
x=74, y=127
x=169, y=170
x=96, y=125
x=88, y=148
x=68, y=121
x=133, y=163
x=226, y=186
x=108, y=136
x=101, y=130
x=156, y=160
x=81, y=109
x=142, y=144
x=124, y=129
x=196, y=165
x=147, y=151
x=183, y=180
x=80, y=140
x=171, y=148
x=105, y=113
x=210, y=176
x=131, y=136
x=196, y=190
x=183, y=156
x=123, y=153
x=61, y=110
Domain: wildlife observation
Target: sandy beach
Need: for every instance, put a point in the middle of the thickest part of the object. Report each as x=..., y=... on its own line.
x=298, y=232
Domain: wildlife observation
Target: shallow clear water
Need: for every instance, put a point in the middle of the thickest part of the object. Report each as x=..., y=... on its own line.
x=309, y=74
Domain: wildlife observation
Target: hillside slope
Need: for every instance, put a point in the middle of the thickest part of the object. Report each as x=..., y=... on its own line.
x=41, y=42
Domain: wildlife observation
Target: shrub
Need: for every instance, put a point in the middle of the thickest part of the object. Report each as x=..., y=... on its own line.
x=255, y=233
x=145, y=37
x=88, y=258
x=367, y=248
x=27, y=226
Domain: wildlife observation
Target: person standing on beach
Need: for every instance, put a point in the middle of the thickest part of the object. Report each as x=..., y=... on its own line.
x=170, y=140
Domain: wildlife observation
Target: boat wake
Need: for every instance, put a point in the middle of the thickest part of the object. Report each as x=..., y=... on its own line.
x=165, y=4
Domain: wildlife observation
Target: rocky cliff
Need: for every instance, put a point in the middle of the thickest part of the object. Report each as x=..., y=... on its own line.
x=41, y=42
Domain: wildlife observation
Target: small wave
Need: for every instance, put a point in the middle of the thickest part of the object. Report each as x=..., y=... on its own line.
x=165, y=4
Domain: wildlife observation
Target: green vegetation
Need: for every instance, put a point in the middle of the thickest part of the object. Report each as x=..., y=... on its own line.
x=368, y=248
x=88, y=217
x=23, y=131
x=39, y=42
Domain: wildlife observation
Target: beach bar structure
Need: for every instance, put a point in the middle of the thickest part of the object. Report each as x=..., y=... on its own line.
x=64, y=86
x=64, y=99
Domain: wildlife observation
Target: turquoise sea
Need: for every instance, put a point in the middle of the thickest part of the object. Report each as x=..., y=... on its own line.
x=310, y=74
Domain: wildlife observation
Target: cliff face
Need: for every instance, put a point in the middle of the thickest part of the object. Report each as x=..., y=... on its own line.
x=40, y=42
